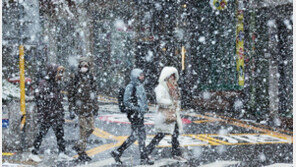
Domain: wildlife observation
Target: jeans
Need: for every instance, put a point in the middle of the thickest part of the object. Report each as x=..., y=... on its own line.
x=138, y=132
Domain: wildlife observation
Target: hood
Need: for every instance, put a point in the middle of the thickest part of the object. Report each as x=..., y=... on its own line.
x=167, y=72
x=52, y=70
x=135, y=73
x=85, y=59
x=89, y=61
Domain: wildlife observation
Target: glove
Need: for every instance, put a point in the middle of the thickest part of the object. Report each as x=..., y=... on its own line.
x=72, y=115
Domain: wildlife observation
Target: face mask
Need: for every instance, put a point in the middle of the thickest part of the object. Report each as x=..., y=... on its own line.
x=83, y=69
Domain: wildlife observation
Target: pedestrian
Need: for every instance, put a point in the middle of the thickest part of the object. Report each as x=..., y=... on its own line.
x=136, y=101
x=168, y=120
x=50, y=110
x=82, y=96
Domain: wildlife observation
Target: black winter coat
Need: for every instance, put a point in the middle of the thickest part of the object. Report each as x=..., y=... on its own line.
x=82, y=94
x=49, y=98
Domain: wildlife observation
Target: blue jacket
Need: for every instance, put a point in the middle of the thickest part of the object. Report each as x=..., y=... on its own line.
x=141, y=105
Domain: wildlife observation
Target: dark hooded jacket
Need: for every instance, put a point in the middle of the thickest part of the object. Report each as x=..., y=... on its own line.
x=48, y=95
x=138, y=109
x=82, y=93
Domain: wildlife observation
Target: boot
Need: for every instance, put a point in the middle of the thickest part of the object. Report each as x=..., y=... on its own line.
x=35, y=152
x=83, y=157
x=116, y=157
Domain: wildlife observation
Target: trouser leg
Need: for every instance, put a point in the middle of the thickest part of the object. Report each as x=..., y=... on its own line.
x=86, y=127
x=175, y=143
x=44, y=127
x=129, y=141
x=59, y=133
x=154, y=142
x=141, y=134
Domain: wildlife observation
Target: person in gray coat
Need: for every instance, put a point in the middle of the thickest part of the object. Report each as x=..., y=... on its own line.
x=135, y=99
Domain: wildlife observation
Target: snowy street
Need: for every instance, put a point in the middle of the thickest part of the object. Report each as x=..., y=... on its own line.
x=177, y=83
x=209, y=140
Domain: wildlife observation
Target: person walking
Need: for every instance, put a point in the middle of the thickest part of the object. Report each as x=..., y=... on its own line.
x=168, y=120
x=136, y=101
x=82, y=96
x=50, y=110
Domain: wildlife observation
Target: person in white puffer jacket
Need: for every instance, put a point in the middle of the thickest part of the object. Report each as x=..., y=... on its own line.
x=168, y=101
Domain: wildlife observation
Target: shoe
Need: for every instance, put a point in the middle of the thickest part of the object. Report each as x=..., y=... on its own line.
x=146, y=161
x=62, y=156
x=84, y=157
x=179, y=158
x=116, y=157
x=35, y=157
x=35, y=152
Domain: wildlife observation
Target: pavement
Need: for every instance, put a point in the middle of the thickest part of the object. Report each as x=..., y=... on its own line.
x=210, y=139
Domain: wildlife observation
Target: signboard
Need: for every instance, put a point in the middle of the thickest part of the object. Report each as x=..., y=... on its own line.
x=5, y=123
x=240, y=45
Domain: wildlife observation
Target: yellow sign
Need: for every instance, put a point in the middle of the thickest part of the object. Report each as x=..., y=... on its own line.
x=22, y=85
x=240, y=48
x=183, y=57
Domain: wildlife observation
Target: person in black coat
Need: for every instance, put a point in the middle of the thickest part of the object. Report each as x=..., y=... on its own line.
x=49, y=99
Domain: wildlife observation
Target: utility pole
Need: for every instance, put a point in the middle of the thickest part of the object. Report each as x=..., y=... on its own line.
x=22, y=74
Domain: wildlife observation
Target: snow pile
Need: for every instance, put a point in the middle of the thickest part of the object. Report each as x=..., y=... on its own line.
x=206, y=95
x=9, y=91
x=6, y=164
x=238, y=104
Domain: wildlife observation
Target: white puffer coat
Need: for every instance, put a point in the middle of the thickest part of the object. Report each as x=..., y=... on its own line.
x=164, y=100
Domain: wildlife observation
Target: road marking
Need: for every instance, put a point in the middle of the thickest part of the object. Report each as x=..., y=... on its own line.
x=280, y=135
x=122, y=119
x=220, y=164
x=268, y=137
x=280, y=165
x=100, y=149
x=161, y=162
x=203, y=121
x=105, y=162
x=216, y=139
x=107, y=99
x=201, y=137
x=246, y=139
x=7, y=154
x=263, y=126
x=103, y=134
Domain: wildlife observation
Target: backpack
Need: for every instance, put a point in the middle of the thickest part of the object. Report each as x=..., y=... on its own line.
x=120, y=98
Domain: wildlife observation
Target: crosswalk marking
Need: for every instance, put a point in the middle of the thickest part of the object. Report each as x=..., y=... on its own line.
x=241, y=124
x=220, y=164
x=104, y=162
x=230, y=163
x=280, y=165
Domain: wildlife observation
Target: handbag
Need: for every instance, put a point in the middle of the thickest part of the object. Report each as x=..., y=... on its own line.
x=170, y=116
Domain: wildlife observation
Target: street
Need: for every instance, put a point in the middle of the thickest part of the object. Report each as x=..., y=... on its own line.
x=208, y=140
x=221, y=69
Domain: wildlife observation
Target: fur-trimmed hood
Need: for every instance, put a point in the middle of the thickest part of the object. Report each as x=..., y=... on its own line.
x=167, y=72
